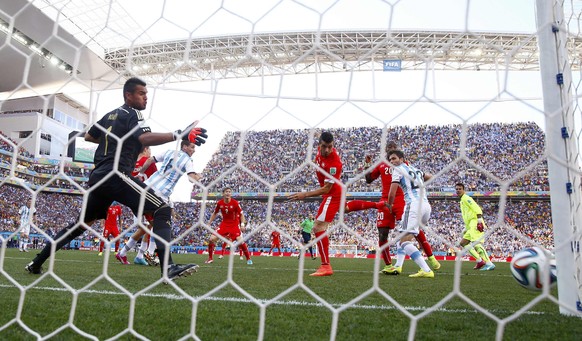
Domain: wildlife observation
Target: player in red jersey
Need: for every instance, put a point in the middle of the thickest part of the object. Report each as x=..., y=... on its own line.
x=111, y=225
x=328, y=174
x=386, y=219
x=148, y=246
x=276, y=243
x=221, y=254
x=233, y=220
x=144, y=174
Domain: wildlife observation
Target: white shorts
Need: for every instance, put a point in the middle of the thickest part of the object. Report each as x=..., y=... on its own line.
x=25, y=229
x=415, y=215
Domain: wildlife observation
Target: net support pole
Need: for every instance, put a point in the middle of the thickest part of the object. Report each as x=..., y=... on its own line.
x=562, y=153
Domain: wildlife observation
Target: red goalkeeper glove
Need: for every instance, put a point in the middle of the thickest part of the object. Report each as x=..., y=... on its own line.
x=480, y=225
x=197, y=136
x=193, y=134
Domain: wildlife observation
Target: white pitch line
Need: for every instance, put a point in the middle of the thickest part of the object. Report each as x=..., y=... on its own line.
x=290, y=303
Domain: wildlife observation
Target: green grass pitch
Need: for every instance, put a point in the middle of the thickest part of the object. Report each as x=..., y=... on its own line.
x=270, y=294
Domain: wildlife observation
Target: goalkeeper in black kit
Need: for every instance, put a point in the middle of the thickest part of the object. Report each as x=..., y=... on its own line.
x=111, y=180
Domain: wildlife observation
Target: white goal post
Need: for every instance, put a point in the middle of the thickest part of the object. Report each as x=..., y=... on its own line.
x=343, y=250
x=562, y=151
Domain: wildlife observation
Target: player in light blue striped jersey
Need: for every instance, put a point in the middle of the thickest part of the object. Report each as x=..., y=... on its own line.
x=416, y=211
x=175, y=163
x=27, y=214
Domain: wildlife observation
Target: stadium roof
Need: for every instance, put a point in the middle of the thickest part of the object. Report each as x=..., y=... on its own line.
x=96, y=58
x=339, y=51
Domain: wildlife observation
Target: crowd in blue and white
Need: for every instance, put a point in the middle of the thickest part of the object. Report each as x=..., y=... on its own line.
x=282, y=158
x=492, y=151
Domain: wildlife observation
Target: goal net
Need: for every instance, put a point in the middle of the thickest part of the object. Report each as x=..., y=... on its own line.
x=483, y=93
x=343, y=250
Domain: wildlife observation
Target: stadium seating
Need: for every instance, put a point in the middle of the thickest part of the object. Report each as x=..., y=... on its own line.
x=496, y=147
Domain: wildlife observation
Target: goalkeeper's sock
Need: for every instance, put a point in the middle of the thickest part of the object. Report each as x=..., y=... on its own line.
x=163, y=230
x=424, y=244
x=46, y=251
x=323, y=247
x=473, y=253
x=483, y=253
x=358, y=205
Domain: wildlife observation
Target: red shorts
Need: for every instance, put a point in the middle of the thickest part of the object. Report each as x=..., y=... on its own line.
x=114, y=231
x=387, y=218
x=328, y=209
x=229, y=232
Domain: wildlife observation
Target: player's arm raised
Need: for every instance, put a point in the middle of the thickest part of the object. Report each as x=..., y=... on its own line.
x=192, y=133
x=427, y=176
x=194, y=177
x=367, y=165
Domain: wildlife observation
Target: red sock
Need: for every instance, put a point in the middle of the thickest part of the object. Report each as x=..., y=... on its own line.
x=210, y=250
x=117, y=246
x=245, y=250
x=223, y=247
x=323, y=247
x=424, y=244
x=358, y=205
x=386, y=253
x=101, y=247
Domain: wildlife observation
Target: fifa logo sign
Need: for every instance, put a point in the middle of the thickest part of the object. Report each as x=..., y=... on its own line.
x=392, y=65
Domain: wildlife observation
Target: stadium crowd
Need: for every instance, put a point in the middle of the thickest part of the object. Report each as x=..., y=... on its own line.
x=274, y=156
x=500, y=149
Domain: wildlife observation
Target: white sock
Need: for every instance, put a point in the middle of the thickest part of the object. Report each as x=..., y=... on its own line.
x=400, y=255
x=416, y=256
x=142, y=248
x=130, y=244
x=152, y=246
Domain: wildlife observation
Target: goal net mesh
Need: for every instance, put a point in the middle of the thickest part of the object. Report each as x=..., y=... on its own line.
x=463, y=99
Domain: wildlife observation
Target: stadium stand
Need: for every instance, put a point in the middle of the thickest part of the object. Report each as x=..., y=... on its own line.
x=272, y=155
